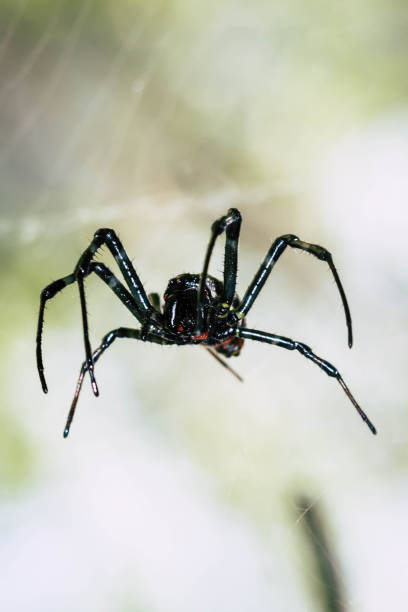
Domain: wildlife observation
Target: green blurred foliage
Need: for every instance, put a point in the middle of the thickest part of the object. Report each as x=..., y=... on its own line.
x=189, y=94
x=17, y=456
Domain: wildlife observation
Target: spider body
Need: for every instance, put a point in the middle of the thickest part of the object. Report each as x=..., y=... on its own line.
x=180, y=313
x=198, y=308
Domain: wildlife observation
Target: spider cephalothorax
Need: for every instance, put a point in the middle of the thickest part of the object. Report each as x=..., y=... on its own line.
x=198, y=308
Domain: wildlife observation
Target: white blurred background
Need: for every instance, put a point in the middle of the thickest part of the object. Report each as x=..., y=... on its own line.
x=180, y=489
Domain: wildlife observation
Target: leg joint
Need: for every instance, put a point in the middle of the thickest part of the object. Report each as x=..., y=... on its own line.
x=289, y=238
x=104, y=233
x=302, y=348
x=233, y=217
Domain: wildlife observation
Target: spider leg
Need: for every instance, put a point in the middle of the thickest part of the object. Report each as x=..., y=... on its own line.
x=306, y=351
x=231, y=225
x=109, y=237
x=46, y=294
x=224, y=363
x=122, y=332
x=276, y=250
x=51, y=290
x=88, y=350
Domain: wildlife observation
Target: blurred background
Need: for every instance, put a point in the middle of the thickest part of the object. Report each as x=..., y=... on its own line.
x=179, y=488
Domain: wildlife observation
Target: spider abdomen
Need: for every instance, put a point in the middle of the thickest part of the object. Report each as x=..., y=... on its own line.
x=230, y=347
x=180, y=314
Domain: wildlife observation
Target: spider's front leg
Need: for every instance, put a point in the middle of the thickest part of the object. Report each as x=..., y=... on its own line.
x=276, y=250
x=108, y=236
x=136, y=301
x=231, y=225
x=306, y=351
x=47, y=294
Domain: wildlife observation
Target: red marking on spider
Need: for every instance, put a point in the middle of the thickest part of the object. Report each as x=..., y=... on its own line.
x=203, y=336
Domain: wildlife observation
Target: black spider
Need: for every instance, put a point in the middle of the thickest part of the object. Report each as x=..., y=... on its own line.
x=198, y=309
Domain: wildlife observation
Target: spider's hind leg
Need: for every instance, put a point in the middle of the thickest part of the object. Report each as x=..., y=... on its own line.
x=226, y=365
x=306, y=351
x=107, y=340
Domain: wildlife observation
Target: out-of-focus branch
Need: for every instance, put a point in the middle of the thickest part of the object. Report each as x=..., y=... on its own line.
x=331, y=587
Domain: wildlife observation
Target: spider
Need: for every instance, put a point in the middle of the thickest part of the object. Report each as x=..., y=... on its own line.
x=198, y=308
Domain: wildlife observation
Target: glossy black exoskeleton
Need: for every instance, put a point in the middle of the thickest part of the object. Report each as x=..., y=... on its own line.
x=180, y=314
x=198, y=308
